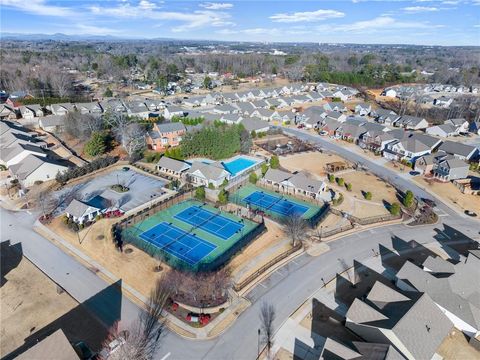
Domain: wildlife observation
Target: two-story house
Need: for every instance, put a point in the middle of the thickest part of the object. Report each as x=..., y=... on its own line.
x=165, y=135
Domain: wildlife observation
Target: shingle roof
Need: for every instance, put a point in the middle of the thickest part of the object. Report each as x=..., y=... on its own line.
x=456, y=148
x=170, y=127
x=276, y=175
x=55, y=346
x=79, y=209
x=172, y=164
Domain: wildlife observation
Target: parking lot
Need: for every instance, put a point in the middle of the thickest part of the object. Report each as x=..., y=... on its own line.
x=142, y=189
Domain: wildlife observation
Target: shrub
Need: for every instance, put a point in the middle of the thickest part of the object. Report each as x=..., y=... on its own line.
x=225, y=182
x=211, y=186
x=395, y=209
x=368, y=195
x=331, y=178
x=94, y=165
x=340, y=181
x=408, y=199
x=65, y=219
x=274, y=162
x=223, y=197
x=97, y=145
x=200, y=193
x=253, y=178
x=253, y=134
x=349, y=186
x=152, y=157
x=264, y=169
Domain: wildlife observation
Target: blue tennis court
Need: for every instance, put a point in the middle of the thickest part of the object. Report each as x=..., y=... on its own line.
x=173, y=240
x=275, y=203
x=211, y=222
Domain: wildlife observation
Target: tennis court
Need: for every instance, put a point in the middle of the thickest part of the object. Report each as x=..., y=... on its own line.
x=185, y=246
x=275, y=203
x=192, y=235
x=212, y=222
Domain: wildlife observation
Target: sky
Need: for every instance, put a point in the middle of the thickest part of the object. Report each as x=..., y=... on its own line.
x=421, y=22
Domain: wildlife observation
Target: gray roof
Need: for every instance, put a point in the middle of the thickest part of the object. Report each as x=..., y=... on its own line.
x=301, y=181
x=428, y=140
x=245, y=107
x=456, y=148
x=254, y=124
x=438, y=265
x=55, y=346
x=333, y=349
x=214, y=171
x=276, y=175
x=454, y=164
x=172, y=164
x=52, y=120
x=413, y=145
x=78, y=208
x=415, y=320
x=28, y=165
x=10, y=152
x=170, y=127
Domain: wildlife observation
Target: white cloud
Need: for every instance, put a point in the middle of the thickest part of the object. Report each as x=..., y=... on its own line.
x=417, y=9
x=95, y=30
x=192, y=20
x=477, y=25
x=381, y=23
x=216, y=6
x=307, y=16
x=38, y=7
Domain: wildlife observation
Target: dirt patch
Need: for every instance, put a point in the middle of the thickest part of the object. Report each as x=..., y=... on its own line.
x=451, y=194
x=136, y=268
x=31, y=308
x=313, y=162
x=456, y=347
x=283, y=354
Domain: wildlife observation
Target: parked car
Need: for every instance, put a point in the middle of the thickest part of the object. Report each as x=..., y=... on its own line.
x=323, y=133
x=414, y=173
x=470, y=213
x=429, y=202
x=300, y=126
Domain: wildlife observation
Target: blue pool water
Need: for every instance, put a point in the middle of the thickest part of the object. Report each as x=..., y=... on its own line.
x=238, y=165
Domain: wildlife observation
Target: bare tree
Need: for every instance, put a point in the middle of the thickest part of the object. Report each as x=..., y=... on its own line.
x=42, y=200
x=295, y=227
x=267, y=317
x=133, y=138
x=61, y=82
x=142, y=339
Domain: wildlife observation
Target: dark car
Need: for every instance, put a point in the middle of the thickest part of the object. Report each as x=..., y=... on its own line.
x=414, y=173
x=470, y=213
x=125, y=168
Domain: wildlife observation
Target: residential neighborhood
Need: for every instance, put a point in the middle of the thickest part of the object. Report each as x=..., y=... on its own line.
x=241, y=180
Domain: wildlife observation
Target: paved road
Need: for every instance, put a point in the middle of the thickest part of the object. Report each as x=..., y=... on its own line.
x=287, y=288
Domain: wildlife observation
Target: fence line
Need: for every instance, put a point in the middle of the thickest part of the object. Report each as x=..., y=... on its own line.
x=368, y=220
x=264, y=268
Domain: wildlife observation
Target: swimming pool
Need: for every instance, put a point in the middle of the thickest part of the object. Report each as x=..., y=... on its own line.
x=238, y=165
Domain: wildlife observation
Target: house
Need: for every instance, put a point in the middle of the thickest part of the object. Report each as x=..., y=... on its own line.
x=335, y=106
x=460, y=124
x=424, y=164
x=138, y=109
x=31, y=111
x=444, y=130
x=172, y=167
x=450, y=169
x=265, y=114
x=443, y=101
x=18, y=152
x=344, y=95
x=411, y=122
x=363, y=109
x=89, y=108
x=384, y=116
x=335, y=115
x=411, y=323
x=375, y=140
x=33, y=169
x=336, y=350
x=299, y=183
x=231, y=118
x=82, y=212
x=61, y=109
x=459, y=150
x=330, y=126
x=14, y=136
x=408, y=149
x=350, y=132
x=54, y=346
x=225, y=109
x=455, y=288
x=245, y=108
x=172, y=110
x=255, y=124
x=389, y=92
x=165, y=135
x=7, y=112
x=114, y=105
x=52, y=123
x=203, y=174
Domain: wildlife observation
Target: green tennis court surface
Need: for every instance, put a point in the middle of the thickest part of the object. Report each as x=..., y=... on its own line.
x=191, y=234
x=274, y=204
